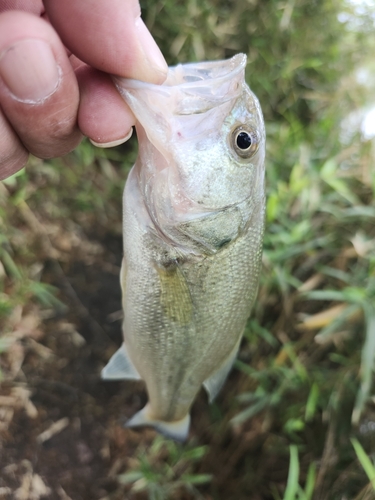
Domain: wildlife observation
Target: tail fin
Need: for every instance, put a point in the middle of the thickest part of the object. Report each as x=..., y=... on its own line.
x=177, y=430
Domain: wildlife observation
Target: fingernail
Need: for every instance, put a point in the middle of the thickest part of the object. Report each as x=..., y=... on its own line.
x=150, y=50
x=112, y=144
x=29, y=70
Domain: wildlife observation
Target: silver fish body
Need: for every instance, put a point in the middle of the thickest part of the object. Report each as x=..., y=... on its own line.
x=193, y=229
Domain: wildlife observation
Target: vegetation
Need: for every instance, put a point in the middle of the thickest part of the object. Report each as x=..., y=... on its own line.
x=296, y=419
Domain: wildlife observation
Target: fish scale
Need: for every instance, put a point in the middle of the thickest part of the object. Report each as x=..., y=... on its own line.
x=193, y=229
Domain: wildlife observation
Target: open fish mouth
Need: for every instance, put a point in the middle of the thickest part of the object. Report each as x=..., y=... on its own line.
x=202, y=86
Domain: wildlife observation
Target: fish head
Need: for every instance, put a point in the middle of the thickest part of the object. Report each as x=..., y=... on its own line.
x=201, y=139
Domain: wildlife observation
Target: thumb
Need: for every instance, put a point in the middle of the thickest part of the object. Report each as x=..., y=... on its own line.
x=109, y=36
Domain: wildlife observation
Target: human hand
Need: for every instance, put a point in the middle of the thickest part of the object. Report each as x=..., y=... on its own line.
x=49, y=97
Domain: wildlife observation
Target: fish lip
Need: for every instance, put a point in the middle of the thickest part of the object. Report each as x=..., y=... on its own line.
x=213, y=84
x=232, y=67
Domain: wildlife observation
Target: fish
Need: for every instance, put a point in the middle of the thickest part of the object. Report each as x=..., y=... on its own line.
x=193, y=227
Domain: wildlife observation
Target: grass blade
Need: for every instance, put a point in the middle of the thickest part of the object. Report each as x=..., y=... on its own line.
x=312, y=402
x=367, y=365
x=310, y=482
x=292, y=484
x=365, y=461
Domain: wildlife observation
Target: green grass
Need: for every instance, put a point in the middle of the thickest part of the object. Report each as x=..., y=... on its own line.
x=293, y=490
x=166, y=468
x=365, y=461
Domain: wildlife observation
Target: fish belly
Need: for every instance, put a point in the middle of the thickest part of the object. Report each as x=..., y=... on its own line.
x=183, y=313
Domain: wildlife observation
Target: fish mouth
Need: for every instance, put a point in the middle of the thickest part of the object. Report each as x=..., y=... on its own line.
x=192, y=88
x=194, y=74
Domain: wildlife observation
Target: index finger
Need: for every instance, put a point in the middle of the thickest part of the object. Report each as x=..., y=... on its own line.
x=110, y=36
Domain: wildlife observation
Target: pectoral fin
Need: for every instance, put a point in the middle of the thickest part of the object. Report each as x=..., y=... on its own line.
x=214, y=383
x=120, y=367
x=177, y=430
x=175, y=295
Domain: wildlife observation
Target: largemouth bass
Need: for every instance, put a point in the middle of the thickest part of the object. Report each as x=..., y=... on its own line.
x=193, y=221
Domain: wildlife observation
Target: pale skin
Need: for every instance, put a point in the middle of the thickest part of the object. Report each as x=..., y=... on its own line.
x=56, y=58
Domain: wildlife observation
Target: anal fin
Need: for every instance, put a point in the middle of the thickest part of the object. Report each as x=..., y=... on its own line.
x=120, y=367
x=215, y=382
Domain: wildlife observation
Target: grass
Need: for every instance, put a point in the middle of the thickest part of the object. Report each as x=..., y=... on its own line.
x=293, y=490
x=302, y=387
x=164, y=469
x=365, y=461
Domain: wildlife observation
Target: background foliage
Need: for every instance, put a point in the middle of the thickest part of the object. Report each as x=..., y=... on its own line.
x=296, y=420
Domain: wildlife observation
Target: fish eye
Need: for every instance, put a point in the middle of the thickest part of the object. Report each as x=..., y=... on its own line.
x=244, y=141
